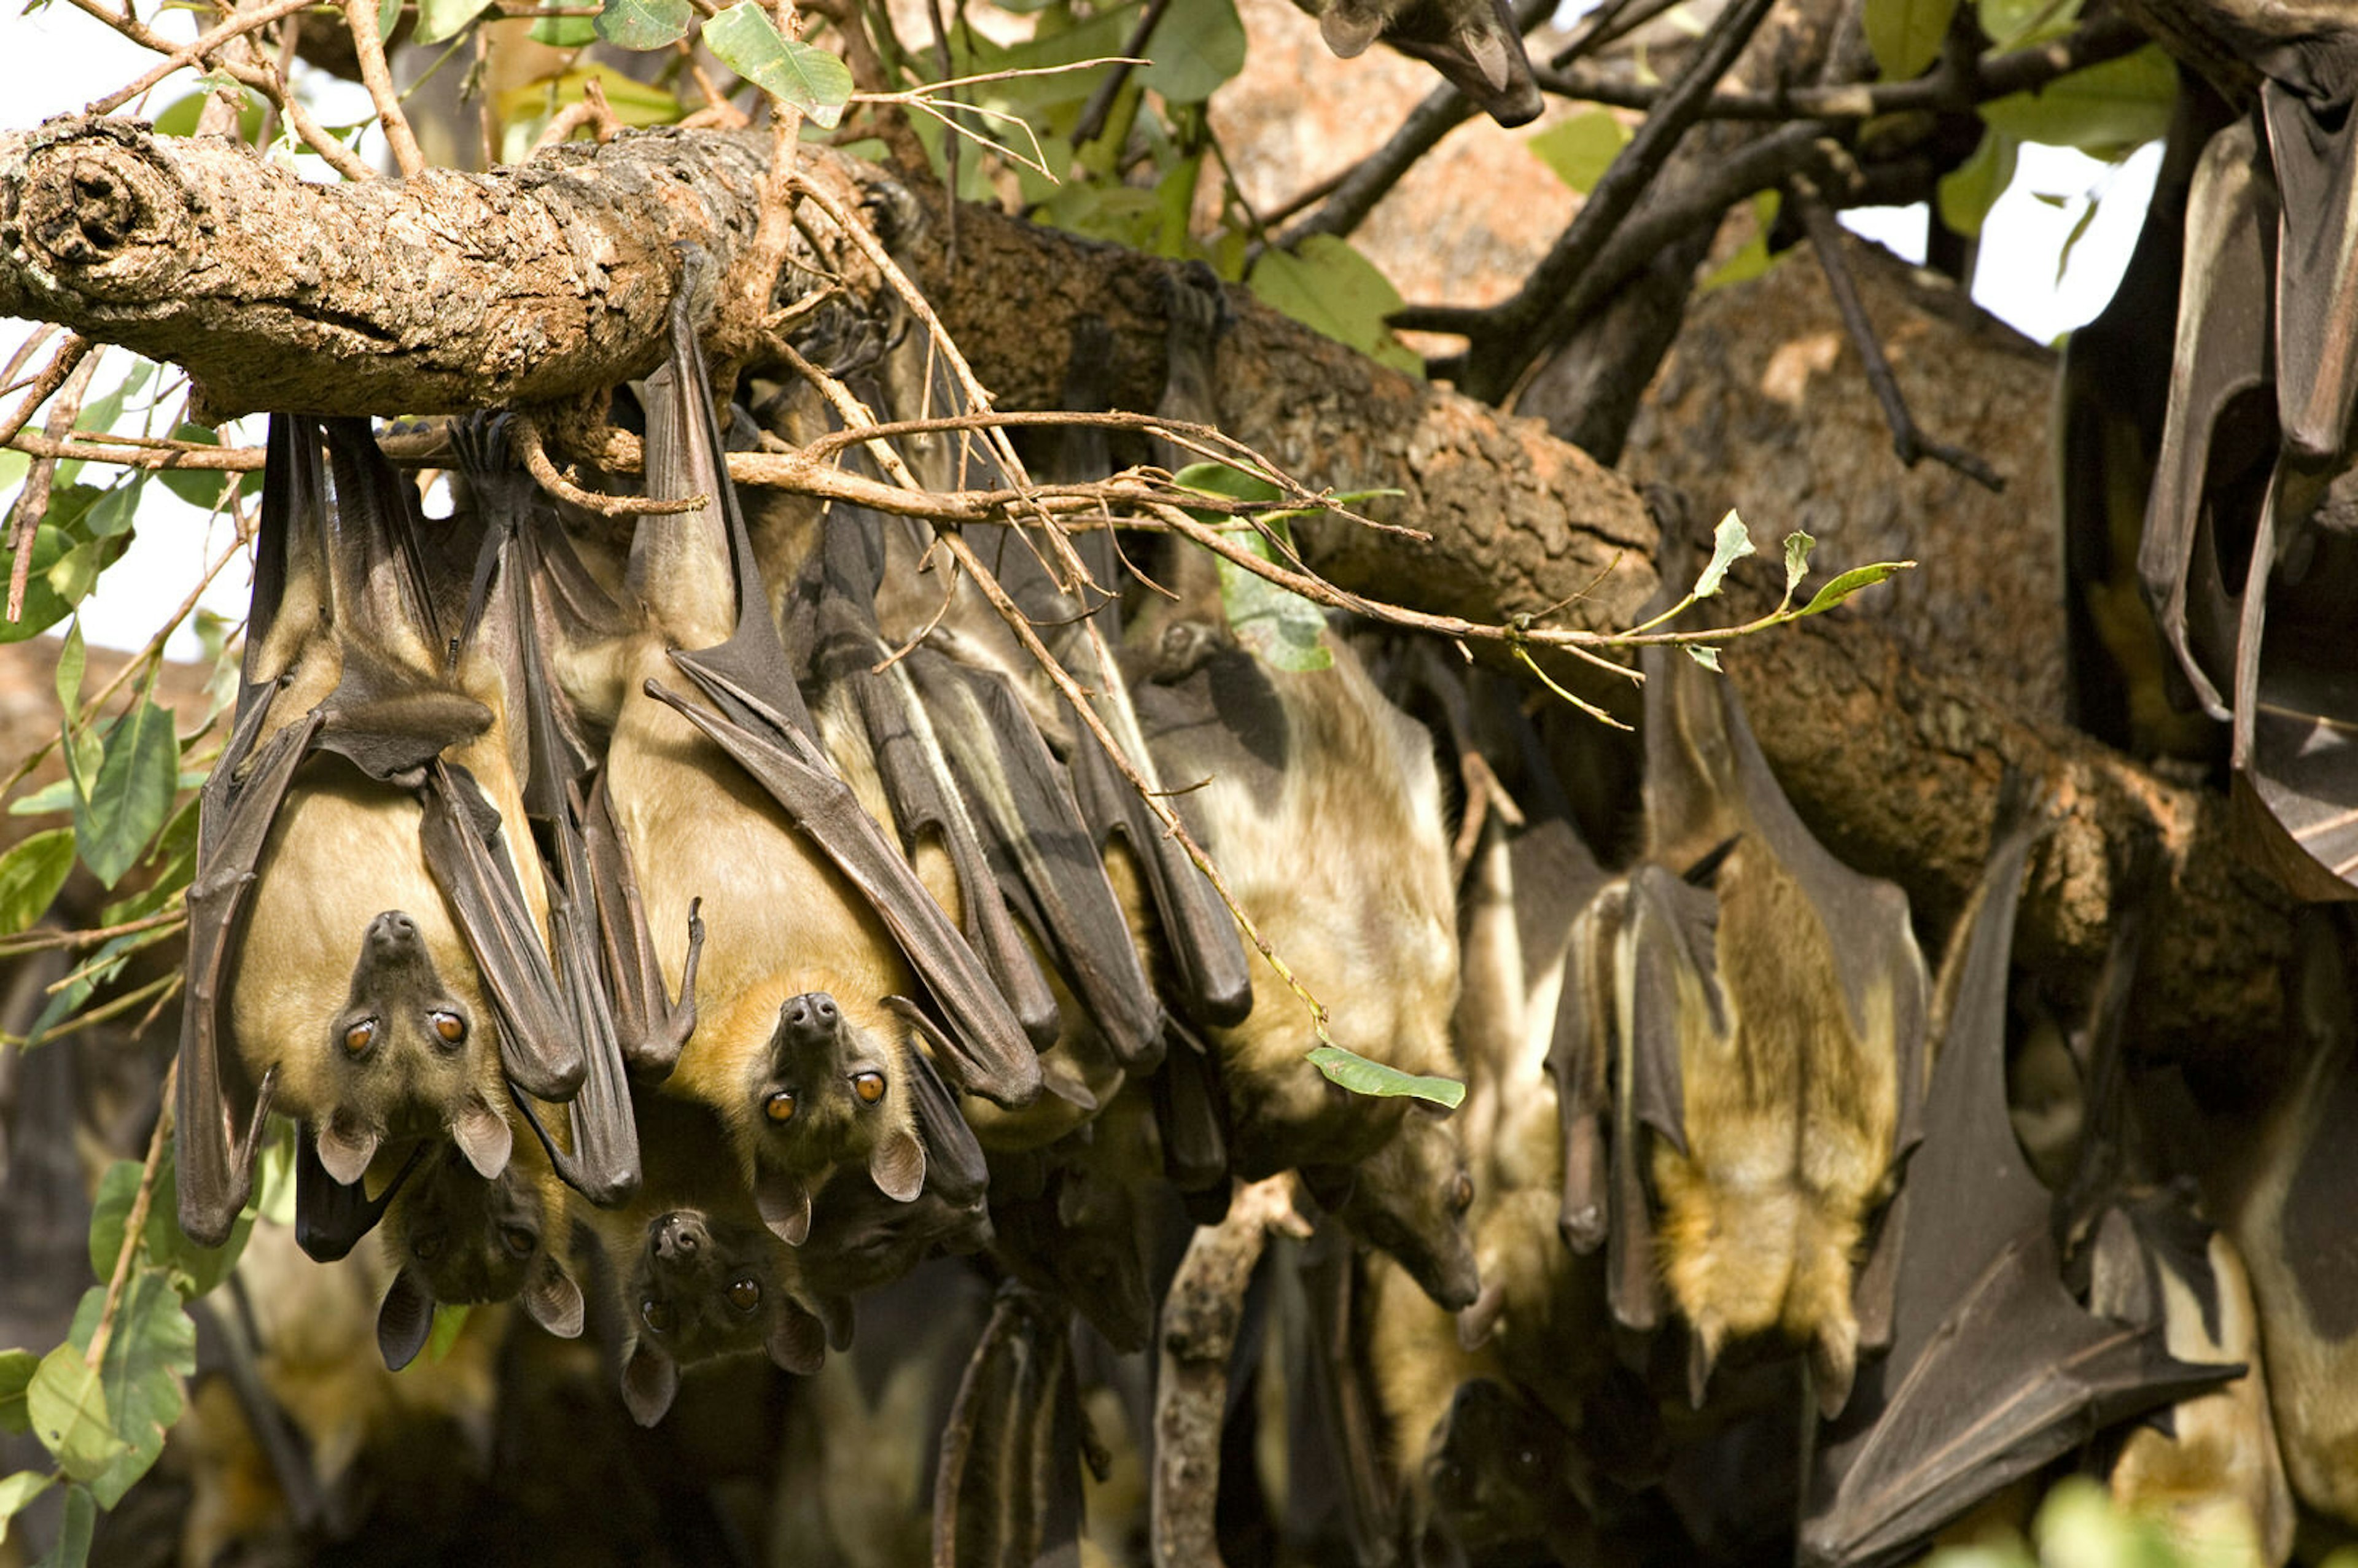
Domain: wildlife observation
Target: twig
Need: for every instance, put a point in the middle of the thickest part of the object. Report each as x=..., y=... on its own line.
x=524, y=435
x=180, y=57
x=127, y=452
x=41, y=941
x=1092, y=123
x=360, y=16
x=1201, y=1313
x=591, y=110
x=41, y=333
x=33, y=498
x=70, y=354
x=773, y=234
x=157, y=992
x=1907, y=438
x=135, y=1226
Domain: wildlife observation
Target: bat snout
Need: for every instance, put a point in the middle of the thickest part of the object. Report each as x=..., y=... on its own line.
x=392, y=933
x=678, y=1239
x=809, y=1019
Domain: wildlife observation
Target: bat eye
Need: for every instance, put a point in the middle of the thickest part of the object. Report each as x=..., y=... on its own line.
x=1461, y=1194
x=745, y=1293
x=359, y=1036
x=426, y=1248
x=780, y=1107
x=518, y=1241
x=451, y=1027
x=655, y=1315
x=868, y=1086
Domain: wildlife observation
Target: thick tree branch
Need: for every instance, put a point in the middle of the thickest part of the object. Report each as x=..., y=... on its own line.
x=453, y=292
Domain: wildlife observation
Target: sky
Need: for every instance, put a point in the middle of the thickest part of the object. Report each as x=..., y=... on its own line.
x=58, y=60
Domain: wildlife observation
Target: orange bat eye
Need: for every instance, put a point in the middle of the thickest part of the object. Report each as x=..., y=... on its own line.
x=780, y=1107
x=655, y=1315
x=868, y=1086
x=518, y=1241
x=359, y=1036
x=1461, y=1194
x=450, y=1026
x=745, y=1293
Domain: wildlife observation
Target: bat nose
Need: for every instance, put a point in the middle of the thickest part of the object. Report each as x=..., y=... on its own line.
x=810, y=1016
x=677, y=1237
x=392, y=931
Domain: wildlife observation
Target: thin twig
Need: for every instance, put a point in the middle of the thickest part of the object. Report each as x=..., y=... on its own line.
x=591, y=110
x=1907, y=438
x=41, y=333
x=524, y=436
x=69, y=355
x=127, y=453
x=33, y=498
x=42, y=941
x=134, y=1226
x=180, y=57
x=360, y=16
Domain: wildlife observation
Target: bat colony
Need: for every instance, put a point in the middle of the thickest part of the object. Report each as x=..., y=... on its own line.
x=723, y=942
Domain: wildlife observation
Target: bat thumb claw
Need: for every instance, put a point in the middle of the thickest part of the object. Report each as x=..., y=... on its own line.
x=1702, y=1351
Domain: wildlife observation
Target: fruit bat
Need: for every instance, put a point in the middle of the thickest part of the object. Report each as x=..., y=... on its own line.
x=819, y=933
x=360, y=906
x=1079, y=1237
x=1474, y=43
x=1008, y=1493
x=1300, y=771
x=699, y=1273
x=1764, y=1054
x=2285, y=1201
x=457, y=1237
x=1993, y=1368
x=2250, y=547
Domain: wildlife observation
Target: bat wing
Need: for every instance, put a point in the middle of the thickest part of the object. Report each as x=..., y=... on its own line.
x=1190, y=1115
x=1994, y=1368
x=765, y=726
x=2220, y=434
x=330, y=1217
x=2313, y=149
x=1008, y=1491
x=1042, y=849
x=1580, y=1056
x=1664, y=964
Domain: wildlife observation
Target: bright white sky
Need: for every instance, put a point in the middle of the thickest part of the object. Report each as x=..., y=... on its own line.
x=56, y=60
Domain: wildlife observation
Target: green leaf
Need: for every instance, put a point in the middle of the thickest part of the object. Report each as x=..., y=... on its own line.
x=73, y=1548
x=1967, y=193
x=1797, y=546
x=2018, y=24
x=117, y=1187
x=17, y=1491
x=1362, y=1076
x=2107, y=109
x=565, y=32
x=449, y=1322
x=1905, y=35
x=71, y=660
x=16, y=1369
x=643, y=24
x=152, y=1350
x=31, y=872
x=1329, y=287
x=274, y=1183
x=388, y=16
x=1199, y=45
x=1752, y=257
x=62, y=534
x=132, y=794
x=1580, y=149
x=440, y=19
x=68, y=1404
x=98, y=969
x=1275, y=624
x=1850, y=582
x=180, y=119
x=101, y=412
x=1706, y=656
x=193, y=1269
x=795, y=73
x=1730, y=542
x=55, y=795
x=198, y=487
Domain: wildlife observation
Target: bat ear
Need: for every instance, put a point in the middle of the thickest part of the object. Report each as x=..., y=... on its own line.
x=483, y=1137
x=553, y=1298
x=1488, y=53
x=1347, y=29
x=837, y=1312
x=403, y=1321
x=796, y=1341
x=898, y=1166
x=345, y=1152
x=650, y=1379
x=1476, y=1324
x=785, y=1205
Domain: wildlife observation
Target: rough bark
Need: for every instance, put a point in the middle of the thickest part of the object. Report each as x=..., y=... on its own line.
x=554, y=276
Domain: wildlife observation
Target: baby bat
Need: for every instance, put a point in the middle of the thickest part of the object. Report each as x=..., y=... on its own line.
x=1995, y=1369
x=1301, y=772
x=373, y=929
x=1474, y=43
x=456, y=1237
x=1765, y=1052
x=700, y=1274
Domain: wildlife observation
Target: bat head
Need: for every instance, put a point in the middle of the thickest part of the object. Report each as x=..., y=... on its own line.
x=403, y=1059
x=1411, y=1199
x=863, y=1239
x=1078, y=1237
x=1499, y=1471
x=703, y=1286
x=457, y=1237
x=831, y=1089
